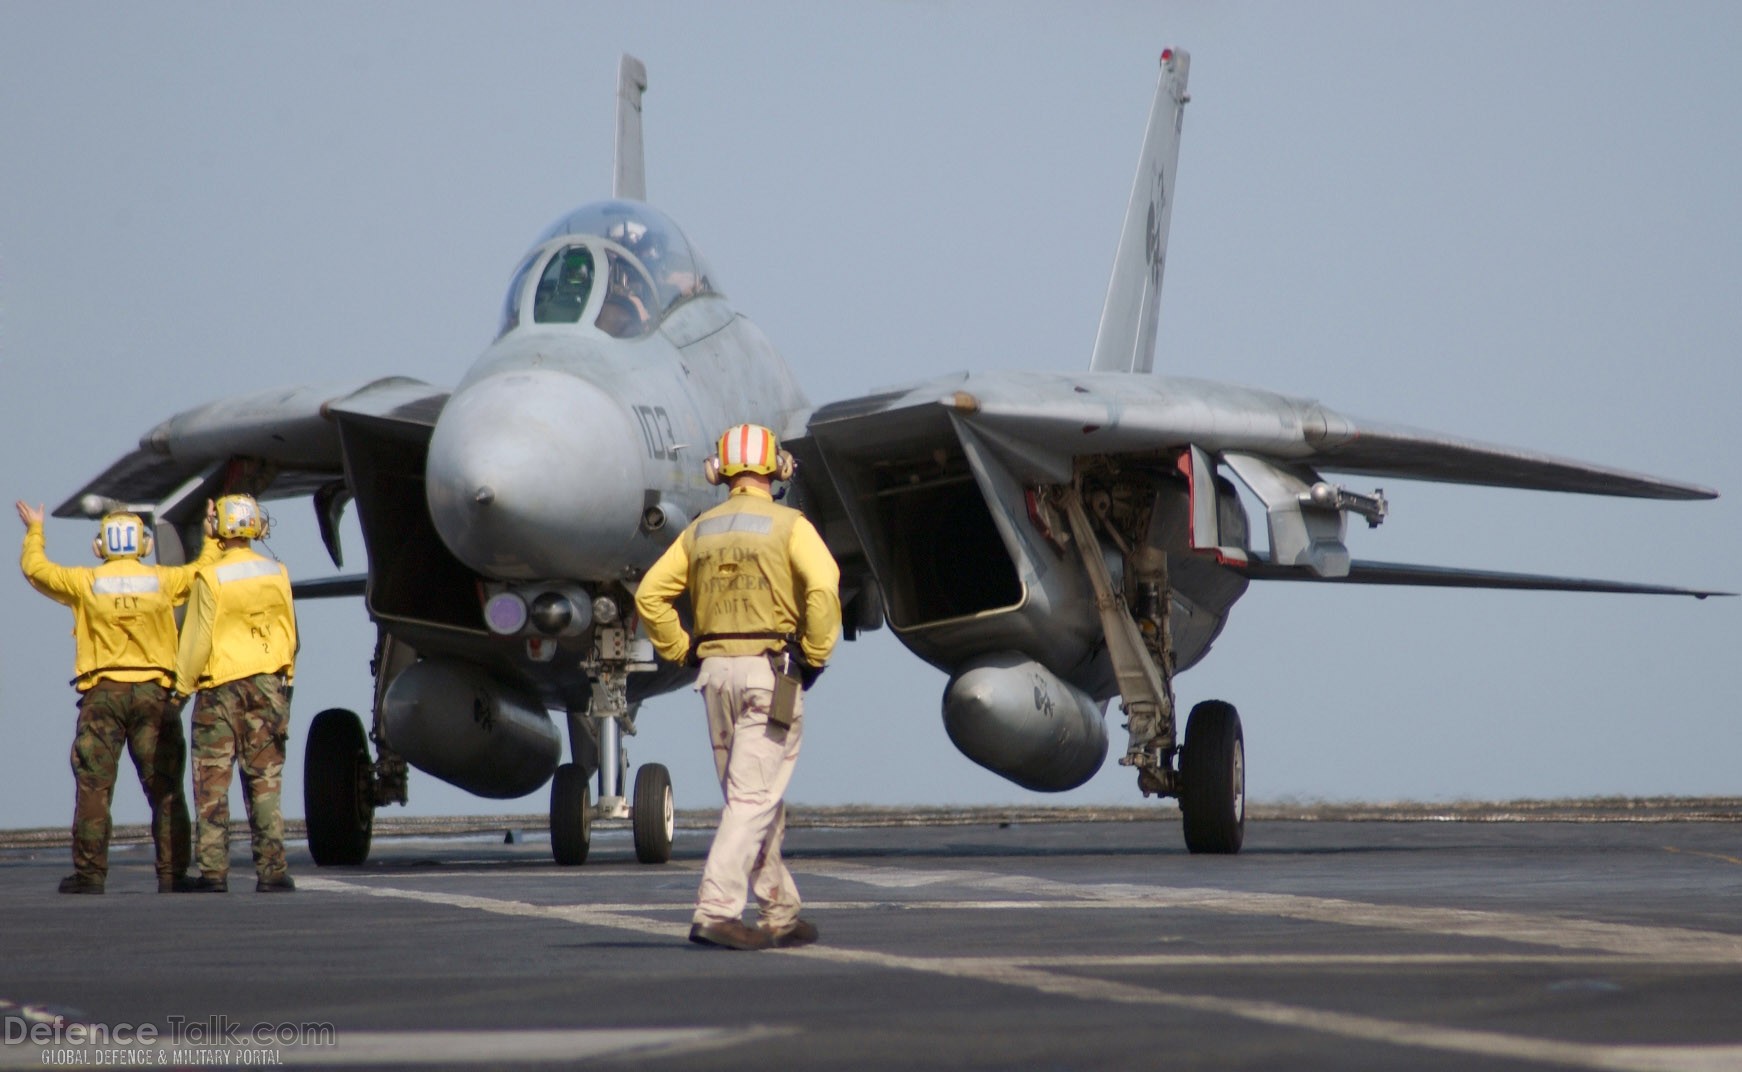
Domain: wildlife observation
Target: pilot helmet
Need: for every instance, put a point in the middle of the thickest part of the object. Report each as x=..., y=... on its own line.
x=577, y=266
x=121, y=534
x=239, y=517
x=634, y=236
x=748, y=448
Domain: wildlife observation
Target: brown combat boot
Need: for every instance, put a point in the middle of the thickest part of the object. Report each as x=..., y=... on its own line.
x=800, y=932
x=731, y=934
x=77, y=883
x=276, y=884
x=205, y=884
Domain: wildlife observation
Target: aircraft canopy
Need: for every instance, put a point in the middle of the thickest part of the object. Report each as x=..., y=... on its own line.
x=677, y=269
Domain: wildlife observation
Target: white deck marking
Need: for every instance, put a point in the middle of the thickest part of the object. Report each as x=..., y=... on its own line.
x=353, y=1049
x=1679, y=944
x=1706, y=855
x=1015, y=972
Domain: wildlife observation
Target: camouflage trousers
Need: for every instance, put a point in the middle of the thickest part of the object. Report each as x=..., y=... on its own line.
x=136, y=716
x=241, y=723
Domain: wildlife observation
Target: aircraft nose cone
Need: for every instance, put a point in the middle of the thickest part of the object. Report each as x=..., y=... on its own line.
x=536, y=474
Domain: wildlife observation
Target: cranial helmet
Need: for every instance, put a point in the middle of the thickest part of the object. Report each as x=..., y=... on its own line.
x=577, y=266
x=239, y=517
x=122, y=535
x=628, y=232
x=748, y=448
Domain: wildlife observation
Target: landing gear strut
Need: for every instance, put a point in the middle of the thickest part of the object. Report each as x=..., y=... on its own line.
x=608, y=719
x=1211, y=779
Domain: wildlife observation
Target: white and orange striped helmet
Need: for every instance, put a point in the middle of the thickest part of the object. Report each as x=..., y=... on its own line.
x=748, y=448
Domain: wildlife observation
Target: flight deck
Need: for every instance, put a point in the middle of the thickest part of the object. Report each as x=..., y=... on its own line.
x=1600, y=934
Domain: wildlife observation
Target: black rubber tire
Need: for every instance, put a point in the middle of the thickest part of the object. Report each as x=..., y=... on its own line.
x=336, y=796
x=571, y=816
x=1212, y=771
x=652, y=813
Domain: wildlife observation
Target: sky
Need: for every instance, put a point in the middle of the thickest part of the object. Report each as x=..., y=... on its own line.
x=1513, y=222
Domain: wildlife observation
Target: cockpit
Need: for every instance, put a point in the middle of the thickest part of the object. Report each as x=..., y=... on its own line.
x=618, y=265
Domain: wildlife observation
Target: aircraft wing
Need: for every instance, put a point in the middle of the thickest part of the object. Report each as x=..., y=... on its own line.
x=277, y=444
x=1378, y=449
x=288, y=430
x=1055, y=417
x=1041, y=426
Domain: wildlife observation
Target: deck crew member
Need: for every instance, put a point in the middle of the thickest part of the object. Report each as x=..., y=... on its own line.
x=238, y=650
x=125, y=641
x=764, y=589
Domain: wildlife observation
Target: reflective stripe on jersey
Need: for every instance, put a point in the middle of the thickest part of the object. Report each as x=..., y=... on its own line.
x=761, y=524
x=240, y=571
x=124, y=586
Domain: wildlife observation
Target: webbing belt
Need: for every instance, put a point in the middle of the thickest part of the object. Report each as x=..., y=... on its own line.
x=702, y=638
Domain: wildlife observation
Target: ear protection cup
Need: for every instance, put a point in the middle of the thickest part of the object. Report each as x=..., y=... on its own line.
x=711, y=470
x=784, y=465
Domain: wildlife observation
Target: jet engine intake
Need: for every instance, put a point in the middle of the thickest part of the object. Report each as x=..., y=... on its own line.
x=1015, y=717
x=454, y=721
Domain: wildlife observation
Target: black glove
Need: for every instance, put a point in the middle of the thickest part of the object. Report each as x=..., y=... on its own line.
x=808, y=674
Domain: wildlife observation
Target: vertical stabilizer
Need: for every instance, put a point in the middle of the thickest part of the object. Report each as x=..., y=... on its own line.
x=631, y=181
x=1126, y=339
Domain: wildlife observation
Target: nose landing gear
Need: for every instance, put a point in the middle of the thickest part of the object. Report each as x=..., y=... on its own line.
x=604, y=724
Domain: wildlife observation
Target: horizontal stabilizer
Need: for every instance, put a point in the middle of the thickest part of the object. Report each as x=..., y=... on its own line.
x=335, y=587
x=1400, y=573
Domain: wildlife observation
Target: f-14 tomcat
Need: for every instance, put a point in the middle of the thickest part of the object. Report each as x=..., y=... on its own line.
x=1050, y=540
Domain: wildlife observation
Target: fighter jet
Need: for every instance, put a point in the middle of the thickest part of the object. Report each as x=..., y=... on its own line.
x=1050, y=540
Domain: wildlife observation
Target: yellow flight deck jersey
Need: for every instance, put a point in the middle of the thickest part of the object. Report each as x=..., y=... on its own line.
x=750, y=566
x=239, y=623
x=123, y=610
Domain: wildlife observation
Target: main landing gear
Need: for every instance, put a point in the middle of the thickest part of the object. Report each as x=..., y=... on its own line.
x=1210, y=781
x=341, y=788
x=596, y=741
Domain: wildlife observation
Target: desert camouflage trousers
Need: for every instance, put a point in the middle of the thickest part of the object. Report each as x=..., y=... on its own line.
x=240, y=723
x=136, y=716
x=754, y=761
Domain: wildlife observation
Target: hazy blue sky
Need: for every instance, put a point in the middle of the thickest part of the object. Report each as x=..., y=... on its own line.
x=1516, y=222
